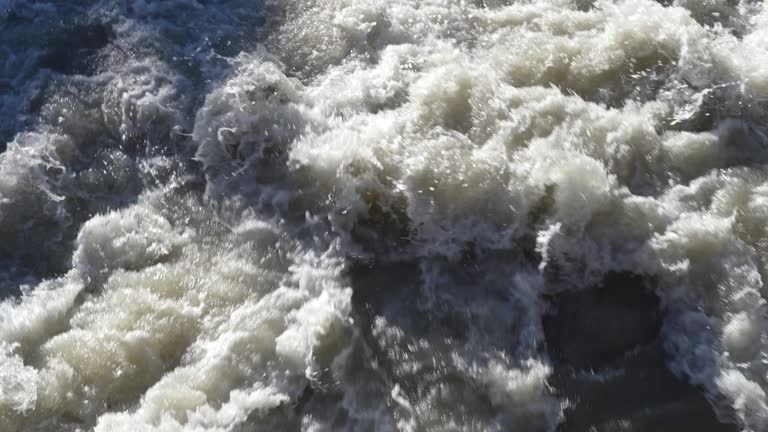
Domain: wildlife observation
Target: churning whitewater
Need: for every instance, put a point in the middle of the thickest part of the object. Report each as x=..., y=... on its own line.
x=353, y=215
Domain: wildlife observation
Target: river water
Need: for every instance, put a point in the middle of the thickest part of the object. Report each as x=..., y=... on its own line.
x=356, y=215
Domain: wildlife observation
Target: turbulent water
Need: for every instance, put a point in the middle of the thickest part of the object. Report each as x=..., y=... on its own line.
x=351, y=215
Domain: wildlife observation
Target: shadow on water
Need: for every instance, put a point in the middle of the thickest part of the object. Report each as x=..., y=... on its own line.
x=438, y=328
x=610, y=367
x=603, y=343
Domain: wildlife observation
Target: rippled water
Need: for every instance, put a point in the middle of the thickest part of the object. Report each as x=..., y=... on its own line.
x=354, y=215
